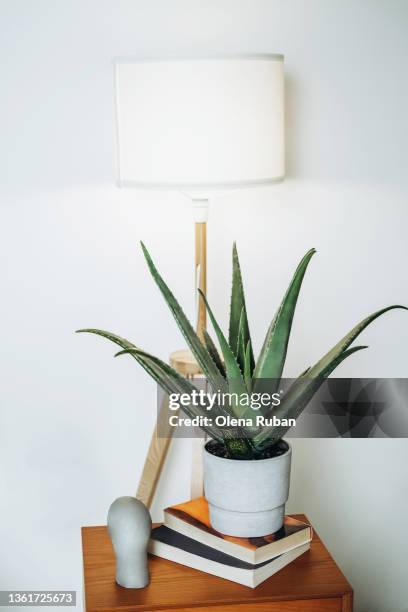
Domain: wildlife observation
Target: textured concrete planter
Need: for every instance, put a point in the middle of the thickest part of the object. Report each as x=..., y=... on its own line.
x=247, y=498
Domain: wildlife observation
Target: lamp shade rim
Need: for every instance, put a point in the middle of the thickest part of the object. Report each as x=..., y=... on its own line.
x=175, y=186
x=279, y=57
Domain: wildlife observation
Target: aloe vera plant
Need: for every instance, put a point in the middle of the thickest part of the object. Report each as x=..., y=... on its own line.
x=236, y=371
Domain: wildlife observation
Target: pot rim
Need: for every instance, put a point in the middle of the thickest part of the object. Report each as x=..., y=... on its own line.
x=251, y=461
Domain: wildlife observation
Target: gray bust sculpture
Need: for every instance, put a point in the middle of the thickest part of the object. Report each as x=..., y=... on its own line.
x=129, y=526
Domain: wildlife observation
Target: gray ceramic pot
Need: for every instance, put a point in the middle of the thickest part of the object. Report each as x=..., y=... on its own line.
x=247, y=498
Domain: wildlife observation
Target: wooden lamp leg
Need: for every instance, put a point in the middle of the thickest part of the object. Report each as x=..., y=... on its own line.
x=155, y=457
x=201, y=275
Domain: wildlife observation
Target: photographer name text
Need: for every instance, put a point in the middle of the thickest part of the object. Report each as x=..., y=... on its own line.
x=229, y=421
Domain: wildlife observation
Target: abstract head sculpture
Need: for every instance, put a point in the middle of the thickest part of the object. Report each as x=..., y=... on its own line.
x=129, y=526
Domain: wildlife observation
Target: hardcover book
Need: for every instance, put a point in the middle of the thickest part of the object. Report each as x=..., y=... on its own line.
x=192, y=520
x=176, y=547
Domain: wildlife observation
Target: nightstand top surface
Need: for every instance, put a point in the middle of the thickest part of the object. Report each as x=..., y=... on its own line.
x=314, y=575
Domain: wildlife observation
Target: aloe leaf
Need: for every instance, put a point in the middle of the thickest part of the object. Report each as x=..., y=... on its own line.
x=235, y=378
x=212, y=349
x=231, y=365
x=166, y=376
x=247, y=367
x=273, y=353
x=136, y=353
x=347, y=340
x=198, y=349
x=241, y=344
x=129, y=346
x=234, y=438
x=183, y=386
x=238, y=306
x=172, y=382
x=108, y=335
x=296, y=400
x=122, y=342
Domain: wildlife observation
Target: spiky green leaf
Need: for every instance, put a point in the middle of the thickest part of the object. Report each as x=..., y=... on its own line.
x=231, y=365
x=247, y=367
x=297, y=398
x=197, y=348
x=171, y=382
x=304, y=388
x=273, y=353
x=236, y=383
x=122, y=342
x=212, y=349
x=238, y=306
x=234, y=438
x=241, y=344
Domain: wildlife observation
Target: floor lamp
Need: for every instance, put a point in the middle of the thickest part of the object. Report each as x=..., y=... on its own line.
x=199, y=126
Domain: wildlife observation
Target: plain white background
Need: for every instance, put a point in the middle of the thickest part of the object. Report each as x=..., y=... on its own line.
x=74, y=423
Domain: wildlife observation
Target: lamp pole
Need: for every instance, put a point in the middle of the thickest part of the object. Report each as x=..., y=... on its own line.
x=200, y=209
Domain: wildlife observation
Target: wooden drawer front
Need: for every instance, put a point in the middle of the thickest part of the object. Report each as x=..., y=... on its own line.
x=304, y=605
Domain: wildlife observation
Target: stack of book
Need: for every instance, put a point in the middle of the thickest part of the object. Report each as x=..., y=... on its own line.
x=187, y=537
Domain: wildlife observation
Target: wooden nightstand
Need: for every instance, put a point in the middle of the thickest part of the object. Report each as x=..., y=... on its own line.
x=312, y=583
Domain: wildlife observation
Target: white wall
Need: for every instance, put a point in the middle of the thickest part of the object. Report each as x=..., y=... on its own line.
x=74, y=423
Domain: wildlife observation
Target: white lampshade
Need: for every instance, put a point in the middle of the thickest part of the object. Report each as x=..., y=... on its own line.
x=200, y=123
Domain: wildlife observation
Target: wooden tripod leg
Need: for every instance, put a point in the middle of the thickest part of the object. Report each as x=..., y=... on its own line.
x=197, y=471
x=156, y=456
x=197, y=467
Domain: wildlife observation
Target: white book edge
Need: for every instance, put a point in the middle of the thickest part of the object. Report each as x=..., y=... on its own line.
x=229, y=548
x=250, y=578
